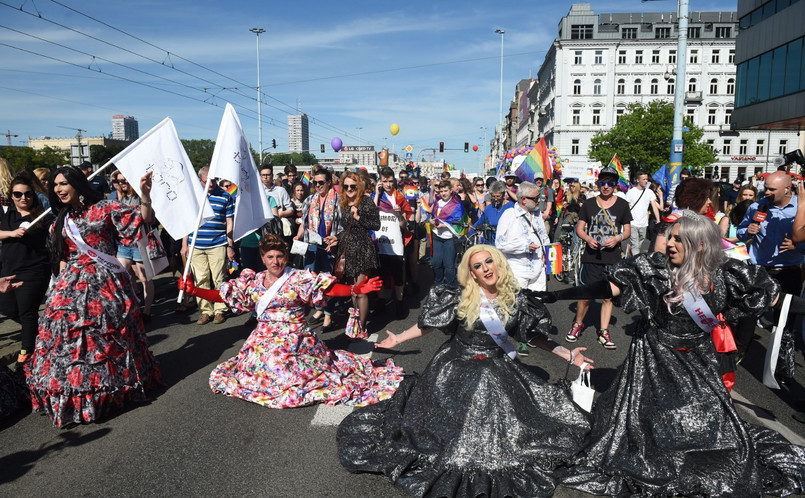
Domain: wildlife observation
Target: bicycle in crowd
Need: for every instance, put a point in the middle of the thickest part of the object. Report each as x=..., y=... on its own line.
x=571, y=255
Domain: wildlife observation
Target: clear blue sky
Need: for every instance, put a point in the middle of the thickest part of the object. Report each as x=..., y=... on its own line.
x=431, y=67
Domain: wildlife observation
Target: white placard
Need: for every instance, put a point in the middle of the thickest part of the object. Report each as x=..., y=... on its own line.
x=389, y=237
x=314, y=238
x=299, y=247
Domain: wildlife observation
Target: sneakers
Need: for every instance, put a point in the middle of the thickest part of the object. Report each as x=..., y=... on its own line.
x=575, y=332
x=605, y=339
x=522, y=349
x=204, y=319
x=219, y=318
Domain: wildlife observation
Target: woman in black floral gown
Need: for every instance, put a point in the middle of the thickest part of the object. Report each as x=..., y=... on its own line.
x=91, y=352
x=359, y=215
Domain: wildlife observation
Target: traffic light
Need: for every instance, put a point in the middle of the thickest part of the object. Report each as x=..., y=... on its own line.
x=322, y=148
x=466, y=146
x=441, y=146
x=274, y=143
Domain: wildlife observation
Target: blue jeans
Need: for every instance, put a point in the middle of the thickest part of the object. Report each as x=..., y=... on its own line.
x=444, y=261
x=318, y=260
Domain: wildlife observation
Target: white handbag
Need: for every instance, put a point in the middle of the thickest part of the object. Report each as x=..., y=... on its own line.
x=581, y=391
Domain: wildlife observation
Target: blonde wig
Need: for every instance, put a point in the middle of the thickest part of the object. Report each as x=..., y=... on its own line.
x=469, y=306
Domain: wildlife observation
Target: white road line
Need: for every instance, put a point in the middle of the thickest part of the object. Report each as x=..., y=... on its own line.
x=333, y=415
x=760, y=415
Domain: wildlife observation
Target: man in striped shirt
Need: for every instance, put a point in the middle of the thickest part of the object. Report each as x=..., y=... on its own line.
x=213, y=246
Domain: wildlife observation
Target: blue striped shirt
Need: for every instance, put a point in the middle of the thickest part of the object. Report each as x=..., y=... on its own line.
x=213, y=232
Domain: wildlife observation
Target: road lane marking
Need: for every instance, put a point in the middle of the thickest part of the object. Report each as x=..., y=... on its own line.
x=333, y=415
x=760, y=415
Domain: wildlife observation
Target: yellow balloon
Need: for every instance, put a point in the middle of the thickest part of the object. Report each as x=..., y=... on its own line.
x=395, y=128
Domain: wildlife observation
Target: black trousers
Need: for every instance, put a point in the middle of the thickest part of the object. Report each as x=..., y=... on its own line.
x=22, y=305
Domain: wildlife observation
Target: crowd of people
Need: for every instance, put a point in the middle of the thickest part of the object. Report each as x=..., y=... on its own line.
x=342, y=249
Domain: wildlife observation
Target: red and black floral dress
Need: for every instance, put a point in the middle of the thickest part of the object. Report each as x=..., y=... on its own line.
x=91, y=351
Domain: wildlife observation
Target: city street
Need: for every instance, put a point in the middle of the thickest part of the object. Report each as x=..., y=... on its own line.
x=187, y=440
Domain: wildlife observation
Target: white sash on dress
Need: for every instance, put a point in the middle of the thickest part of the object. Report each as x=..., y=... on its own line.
x=698, y=309
x=269, y=294
x=495, y=327
x=107, y=261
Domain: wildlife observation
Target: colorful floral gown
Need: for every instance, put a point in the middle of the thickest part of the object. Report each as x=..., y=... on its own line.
x=283, y=364
x=91, y=350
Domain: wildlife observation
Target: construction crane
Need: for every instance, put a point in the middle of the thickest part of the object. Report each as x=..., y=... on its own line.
x=8, y=136
x=78, y=139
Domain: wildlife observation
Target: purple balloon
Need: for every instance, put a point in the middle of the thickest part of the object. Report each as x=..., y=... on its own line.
x=336, y=144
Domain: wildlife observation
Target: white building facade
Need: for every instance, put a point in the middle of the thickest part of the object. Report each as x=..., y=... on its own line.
x=298, y=133
x=125, y=128
x=601, y=63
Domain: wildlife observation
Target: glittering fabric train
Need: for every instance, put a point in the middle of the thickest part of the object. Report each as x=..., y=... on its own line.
x=475, y=422
x=667, y=425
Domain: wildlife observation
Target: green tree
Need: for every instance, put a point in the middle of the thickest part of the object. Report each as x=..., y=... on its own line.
x=300, y=158
x=642, y=138
x=101, y=154
x=26, y=157
x=199, y=152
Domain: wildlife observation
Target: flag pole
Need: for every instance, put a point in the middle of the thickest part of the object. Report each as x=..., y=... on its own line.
x=195, y=236
x=90, y=177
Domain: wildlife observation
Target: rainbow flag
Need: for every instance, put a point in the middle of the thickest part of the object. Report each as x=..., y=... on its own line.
x=559, y=201
x=537, y=164
x=232, y=190
x=553, y=259
x=735, y=251
x=623, y=181
x=425, y=206
x=410, y=192
x=463, y=226
x=306, y=178
x=429, y=233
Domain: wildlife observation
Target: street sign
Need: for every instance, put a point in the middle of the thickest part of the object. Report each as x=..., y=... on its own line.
x=409, y=155
x=409, y=148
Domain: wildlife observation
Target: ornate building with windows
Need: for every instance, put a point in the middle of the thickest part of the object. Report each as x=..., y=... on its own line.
x=598, y=64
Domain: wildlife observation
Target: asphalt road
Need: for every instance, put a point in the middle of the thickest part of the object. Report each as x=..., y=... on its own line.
x=187, y=440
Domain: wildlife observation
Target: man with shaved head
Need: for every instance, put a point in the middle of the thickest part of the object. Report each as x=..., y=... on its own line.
x=773, y=249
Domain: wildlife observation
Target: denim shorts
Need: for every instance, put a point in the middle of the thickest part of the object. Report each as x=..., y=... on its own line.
x=132, y=253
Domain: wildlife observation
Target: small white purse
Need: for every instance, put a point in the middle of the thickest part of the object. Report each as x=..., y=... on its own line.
x=581, y=391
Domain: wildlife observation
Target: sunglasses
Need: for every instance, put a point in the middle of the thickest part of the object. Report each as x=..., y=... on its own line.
x=606, y=183
x=479, y=185
x=352, y=186
x=319, y=183
x=18, y=195
x=535, y=199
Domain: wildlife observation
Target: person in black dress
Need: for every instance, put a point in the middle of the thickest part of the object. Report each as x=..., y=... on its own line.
x=477, y=422
x=25, y=255
x=359, y=215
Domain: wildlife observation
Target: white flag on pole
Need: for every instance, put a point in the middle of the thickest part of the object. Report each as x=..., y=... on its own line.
x=232, y=160
x=176, y=192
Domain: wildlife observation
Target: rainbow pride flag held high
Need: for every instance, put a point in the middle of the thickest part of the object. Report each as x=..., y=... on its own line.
x=537, y=164
x=410, y=192
x=553, y=259
x=425, y=206
x=623, y=181
x=232, y=190
x=306, y=178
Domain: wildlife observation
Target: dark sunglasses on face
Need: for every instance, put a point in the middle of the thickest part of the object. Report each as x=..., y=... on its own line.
x=606, y=183
x=350, y=186
x=18, y=195
x=535, y=199
x=479, y=185
x=319, y=183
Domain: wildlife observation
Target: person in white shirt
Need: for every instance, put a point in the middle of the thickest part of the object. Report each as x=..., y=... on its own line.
x=285, y=207
x=521, y=237
x=640, y=198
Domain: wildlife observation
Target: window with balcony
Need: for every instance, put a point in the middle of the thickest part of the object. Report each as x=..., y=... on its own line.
x=731, y=86
x=576, y=87
x=654, y=89
x=655, y=56
x=715, y=56
x=743, y=146
x=629, y=33
x=577, y=57
x=760, y=147
x=692, y=85
x=637, y=86
x=574, y=147
x=662, y=33
x=621, y=56
x=581, y=31
x=690, y=112
x=597, y=87
x=714, y=86
x=723, y=32
x=672, y=57
x=711, y=116
x=638, y=57
x=727, y=149
x=621, y=87
x=694, y=56
x=783, y=146
x=670, y=87
x=599, y=57
x=576, y=116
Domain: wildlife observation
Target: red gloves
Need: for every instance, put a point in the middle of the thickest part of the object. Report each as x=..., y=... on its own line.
x=364, y=287
x=211, y=295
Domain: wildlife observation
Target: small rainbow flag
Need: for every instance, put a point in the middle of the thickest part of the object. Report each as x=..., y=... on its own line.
x=306, y=178
x=560, y=201
x=425, y=206
x=735, y=251
x=410, y=192
x=553, y=259
x=232, y=189
x=623, y=181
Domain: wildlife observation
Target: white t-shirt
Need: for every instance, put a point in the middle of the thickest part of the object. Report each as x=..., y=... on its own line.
x=640, y=208
x=442, y=231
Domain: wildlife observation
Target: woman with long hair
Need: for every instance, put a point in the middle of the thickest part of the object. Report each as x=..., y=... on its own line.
x=91, y=353
x=667, y=425
x=477, y=422
x=6, y=175
x=24, y=255
x=283, y=364
x=359, y=216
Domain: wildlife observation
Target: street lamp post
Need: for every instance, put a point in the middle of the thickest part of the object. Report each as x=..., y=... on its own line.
x=257, y=32
x=500, y=123
x=481, y=159
x=677, y=144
